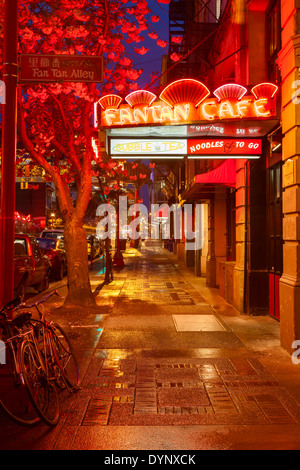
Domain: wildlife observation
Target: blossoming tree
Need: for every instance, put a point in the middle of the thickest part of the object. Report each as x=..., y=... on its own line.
x=55, y=120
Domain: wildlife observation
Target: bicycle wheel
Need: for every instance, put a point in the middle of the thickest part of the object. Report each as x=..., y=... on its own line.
x=14, y=398
x=65, y=356
x=44, y=340
x=41, y=391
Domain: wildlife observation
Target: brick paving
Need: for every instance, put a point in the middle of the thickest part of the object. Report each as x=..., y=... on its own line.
x=137, y=392
x=161, y=356
x=152, y=391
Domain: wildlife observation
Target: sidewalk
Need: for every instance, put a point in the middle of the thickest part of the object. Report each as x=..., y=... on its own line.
x=167, y=364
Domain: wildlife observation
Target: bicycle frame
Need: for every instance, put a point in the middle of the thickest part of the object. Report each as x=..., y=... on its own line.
x=46, y=356
x=13, y=341
x=14, y=348
x=32, y=364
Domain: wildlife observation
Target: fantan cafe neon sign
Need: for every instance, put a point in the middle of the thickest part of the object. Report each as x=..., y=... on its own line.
x=188, y=101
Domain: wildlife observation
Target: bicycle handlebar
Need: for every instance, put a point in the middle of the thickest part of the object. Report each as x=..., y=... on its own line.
x=16, y=305
x=23, y=305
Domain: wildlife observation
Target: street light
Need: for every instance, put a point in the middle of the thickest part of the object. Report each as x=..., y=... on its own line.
x=52, y=219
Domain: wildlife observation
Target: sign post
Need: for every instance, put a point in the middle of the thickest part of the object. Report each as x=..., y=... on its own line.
x=9, y=139
x=43, y=68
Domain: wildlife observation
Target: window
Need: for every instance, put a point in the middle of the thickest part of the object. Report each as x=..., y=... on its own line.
x=273, y=39
x=20, y=247
x=231, y=225
x=275, y=219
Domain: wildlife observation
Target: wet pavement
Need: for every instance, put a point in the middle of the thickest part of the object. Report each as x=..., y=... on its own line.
x=167, y=364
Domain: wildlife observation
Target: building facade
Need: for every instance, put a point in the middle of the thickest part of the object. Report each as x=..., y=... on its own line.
x=251, y=249
x=227, y=56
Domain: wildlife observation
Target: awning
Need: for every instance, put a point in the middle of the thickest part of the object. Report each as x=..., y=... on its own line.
x=206, y=185
x=224, y=174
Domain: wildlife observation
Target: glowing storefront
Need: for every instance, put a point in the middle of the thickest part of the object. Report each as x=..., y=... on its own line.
x=218, y=143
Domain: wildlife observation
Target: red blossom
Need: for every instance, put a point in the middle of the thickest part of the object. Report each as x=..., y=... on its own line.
x=175, y=57
x=162, y=43
x=177, y=39
x=142, y=50
x=53, y=114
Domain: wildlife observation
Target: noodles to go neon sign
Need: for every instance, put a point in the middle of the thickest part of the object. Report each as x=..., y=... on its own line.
x=189, y=101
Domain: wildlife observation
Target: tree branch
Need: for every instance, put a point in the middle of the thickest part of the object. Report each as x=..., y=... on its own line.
x=65, y=200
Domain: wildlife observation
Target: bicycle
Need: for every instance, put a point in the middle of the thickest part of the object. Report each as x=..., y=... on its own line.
x=46, y=362
x=56, y=349
x=14, y=397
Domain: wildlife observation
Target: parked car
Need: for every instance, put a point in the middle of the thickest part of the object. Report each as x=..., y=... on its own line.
x=31, y=267
x=52, y=233
x=59, y=233
x=54, y=249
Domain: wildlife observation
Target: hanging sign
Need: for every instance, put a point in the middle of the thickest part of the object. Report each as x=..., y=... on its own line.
x=224, y=147
x=151, y=147
x=189, y=101
x=41, y=68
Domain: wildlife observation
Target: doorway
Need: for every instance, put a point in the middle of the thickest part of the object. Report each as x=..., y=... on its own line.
x=275, y=245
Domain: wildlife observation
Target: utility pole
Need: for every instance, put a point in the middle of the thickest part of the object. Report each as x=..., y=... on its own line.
x=9, y=144
x=118, y=258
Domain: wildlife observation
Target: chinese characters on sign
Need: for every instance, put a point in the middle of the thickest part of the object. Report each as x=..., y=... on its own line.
x=55, y=68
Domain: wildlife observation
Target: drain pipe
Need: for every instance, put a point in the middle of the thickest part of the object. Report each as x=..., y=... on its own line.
x=246, y=169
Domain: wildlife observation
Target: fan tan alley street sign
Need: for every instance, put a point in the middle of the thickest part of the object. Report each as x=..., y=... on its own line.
x=39, y=68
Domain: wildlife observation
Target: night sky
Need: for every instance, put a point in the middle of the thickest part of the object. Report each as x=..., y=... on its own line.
x=151, y=62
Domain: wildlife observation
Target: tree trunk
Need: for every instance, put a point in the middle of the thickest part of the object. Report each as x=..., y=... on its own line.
x=79, y=288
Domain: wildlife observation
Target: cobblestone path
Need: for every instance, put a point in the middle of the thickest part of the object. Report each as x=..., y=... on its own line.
x=151, y=366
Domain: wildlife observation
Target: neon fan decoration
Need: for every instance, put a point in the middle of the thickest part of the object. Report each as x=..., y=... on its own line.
x=110, y=101
x=264, y=90
x=230, y=90
x=185, y=91
x=140, y=98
